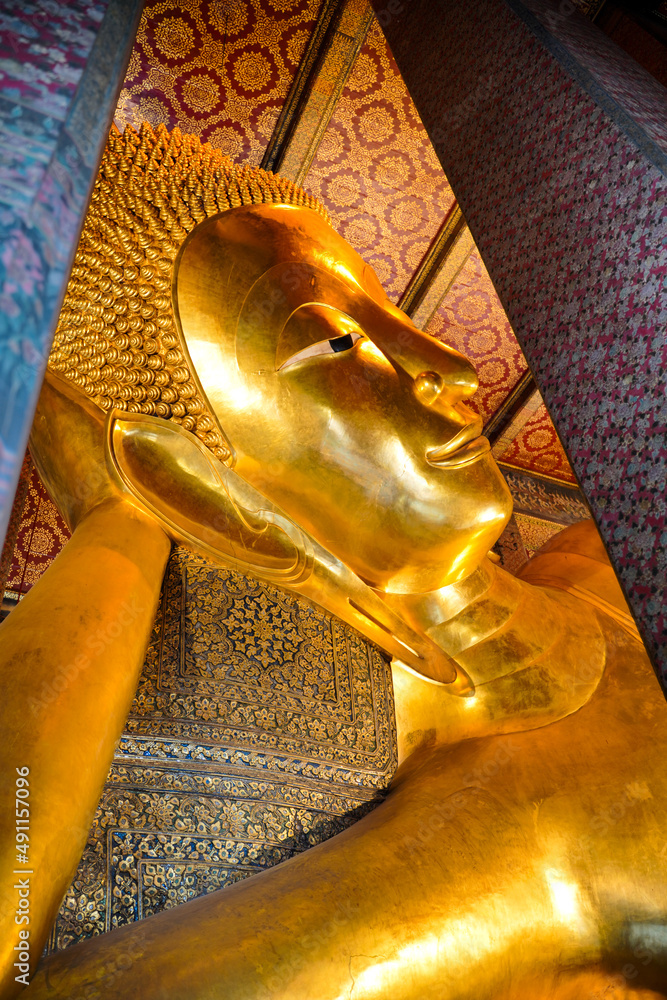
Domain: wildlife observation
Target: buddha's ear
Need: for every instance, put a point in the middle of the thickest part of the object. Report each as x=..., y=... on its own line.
x=200, y=502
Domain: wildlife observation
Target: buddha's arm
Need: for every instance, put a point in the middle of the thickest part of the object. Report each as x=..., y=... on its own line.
x=488, y=872
x=492, y=862
x=445, y=891
x=70, y=658
x=386, y=909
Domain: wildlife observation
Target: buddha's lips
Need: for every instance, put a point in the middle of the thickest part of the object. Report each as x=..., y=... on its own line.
x=465, y=447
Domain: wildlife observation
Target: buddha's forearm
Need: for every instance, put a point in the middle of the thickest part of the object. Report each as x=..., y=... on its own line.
x=70, y=658
x=411, y=903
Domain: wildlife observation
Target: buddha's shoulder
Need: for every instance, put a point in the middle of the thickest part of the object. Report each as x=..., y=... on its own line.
x=575, y=560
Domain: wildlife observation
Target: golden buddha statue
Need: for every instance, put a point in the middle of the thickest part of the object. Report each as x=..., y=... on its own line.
x=269, y=407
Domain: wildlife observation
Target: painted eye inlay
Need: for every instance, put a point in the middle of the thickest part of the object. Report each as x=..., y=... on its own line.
x=337, y=345
x=343, y=343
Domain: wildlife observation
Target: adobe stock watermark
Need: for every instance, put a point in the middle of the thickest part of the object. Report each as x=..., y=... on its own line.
x=342, y=916
x=617, y=985
x=633, y=794
x=95, y=645
x=22, y=884
x=461, y=114
x=553, y=19
x=386, y=14
x=34, y=22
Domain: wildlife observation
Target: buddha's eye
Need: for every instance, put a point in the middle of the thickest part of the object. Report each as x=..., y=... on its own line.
x=343, y=343
x=337, y=345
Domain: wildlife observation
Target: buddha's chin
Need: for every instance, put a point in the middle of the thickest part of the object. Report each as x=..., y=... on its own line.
x=453, y=560
x=435, y=575
x=461, y=549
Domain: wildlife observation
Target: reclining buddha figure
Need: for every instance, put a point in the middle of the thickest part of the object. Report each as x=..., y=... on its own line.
x=229, y=374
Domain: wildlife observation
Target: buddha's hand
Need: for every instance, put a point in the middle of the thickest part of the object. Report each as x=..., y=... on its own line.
x=67, y=444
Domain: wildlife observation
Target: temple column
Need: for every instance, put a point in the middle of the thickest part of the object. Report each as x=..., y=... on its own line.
x=555, y=143
x=63, y=64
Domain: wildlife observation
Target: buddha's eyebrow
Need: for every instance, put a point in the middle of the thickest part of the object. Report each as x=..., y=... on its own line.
x=313, y=324
x=278, y=293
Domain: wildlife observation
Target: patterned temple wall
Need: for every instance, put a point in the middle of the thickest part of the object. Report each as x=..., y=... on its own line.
x=219, y=70
x=555, y=144
x=260, y=728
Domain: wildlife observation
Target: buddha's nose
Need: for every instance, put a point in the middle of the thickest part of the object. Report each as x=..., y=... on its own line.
x=439, y=372
x=428, y=386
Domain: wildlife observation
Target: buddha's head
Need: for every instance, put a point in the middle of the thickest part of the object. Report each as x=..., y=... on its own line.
x=279, y=349
x=333, y=404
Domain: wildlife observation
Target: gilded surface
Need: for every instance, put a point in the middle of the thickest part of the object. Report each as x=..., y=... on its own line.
x=490, y=868
x=260, y=728
x=116, y=339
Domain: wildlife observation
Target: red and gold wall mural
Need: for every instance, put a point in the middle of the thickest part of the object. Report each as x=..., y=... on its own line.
x=535, y=532
x=41, y=535
x=537, y=448
x=376, y=171
x=472, y=320
x=218, y=69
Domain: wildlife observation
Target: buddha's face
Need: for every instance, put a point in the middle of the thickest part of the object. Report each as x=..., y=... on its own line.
x=336, y=407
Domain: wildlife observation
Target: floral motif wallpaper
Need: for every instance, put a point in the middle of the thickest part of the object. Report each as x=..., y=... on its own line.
x=472, y=320
x=220, y=69
x=41, y=535
x=536, y=448
x=376, y=171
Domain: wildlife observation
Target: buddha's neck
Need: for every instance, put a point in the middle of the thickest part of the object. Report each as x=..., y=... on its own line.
x=520, y=645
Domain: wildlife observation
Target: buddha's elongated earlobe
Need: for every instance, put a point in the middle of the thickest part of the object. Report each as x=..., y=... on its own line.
x=200, y=502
